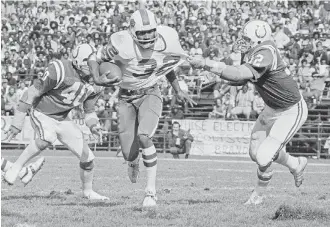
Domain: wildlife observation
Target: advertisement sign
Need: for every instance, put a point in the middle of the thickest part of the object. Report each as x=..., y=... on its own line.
x=219, y=137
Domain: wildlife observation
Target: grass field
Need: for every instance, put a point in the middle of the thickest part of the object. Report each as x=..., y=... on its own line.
x=195, y=192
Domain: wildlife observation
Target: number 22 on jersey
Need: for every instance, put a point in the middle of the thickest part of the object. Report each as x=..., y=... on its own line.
x=76, y=93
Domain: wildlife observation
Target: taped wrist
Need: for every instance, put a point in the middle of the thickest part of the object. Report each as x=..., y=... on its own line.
x=91, y=120
x=18, y=120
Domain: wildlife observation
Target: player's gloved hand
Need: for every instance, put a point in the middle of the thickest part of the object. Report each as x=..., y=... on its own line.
x=98, y=132
x=12, y=132
x=196, y=61
x=183, y=96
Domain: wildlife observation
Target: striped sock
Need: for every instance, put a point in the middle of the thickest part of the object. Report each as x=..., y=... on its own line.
x=5, y=165
x=149, y=156
x=287, y=160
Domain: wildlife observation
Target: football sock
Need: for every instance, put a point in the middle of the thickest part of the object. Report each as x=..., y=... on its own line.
x=149, y=156
x=86, y=177
x=263, y=180
x=5, y=165
x=29, y=152
x=287, y=160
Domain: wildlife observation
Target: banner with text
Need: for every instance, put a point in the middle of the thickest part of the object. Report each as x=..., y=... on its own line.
x=28, y=133
x=219, y=137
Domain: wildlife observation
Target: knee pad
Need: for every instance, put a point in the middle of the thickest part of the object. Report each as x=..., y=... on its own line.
x=267, y=152
x=42, y=144
x=88, y=166
x=145, y=141
x=265, y=174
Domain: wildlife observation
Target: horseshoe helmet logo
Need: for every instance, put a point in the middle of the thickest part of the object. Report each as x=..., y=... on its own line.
x=260, y=32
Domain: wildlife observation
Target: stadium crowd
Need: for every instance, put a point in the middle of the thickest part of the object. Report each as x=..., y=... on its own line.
x=35, y=32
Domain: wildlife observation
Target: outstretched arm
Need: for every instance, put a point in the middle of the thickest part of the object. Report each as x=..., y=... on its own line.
x=171, y=77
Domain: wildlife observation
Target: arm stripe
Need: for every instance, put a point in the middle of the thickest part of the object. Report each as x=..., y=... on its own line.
x=59, y=67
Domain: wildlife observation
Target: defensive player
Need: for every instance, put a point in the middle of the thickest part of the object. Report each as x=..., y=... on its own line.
x=28, y=172
x=145, y=53
x=285, y=110
x=63, y=86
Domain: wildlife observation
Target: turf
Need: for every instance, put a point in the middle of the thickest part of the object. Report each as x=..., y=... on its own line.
x=195, y=192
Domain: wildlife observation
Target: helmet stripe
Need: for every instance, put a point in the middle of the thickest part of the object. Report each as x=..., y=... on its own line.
x=144, y=16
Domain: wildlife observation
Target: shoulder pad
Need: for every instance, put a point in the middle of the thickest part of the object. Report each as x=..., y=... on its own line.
x=264, y=56
x=123, y=42
x=167, y=32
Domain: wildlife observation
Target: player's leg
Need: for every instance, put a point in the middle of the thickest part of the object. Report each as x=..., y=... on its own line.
x=186, y=148
x=72, y=137
x=127, y=127
x=148, y=116
x=175, y=152
x=258, y=135
x=296, y=165
x=46, y=135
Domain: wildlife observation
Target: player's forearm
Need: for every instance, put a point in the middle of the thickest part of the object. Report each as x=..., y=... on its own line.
x=228, y=72
x=171, y=77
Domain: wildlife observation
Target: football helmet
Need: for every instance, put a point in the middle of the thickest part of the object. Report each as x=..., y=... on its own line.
x=253, y=33
x=143, y=28
x=80, y=56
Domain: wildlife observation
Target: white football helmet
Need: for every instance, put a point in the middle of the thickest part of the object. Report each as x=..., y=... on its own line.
x=143, y=28
x=253, y=33
x=80, y=56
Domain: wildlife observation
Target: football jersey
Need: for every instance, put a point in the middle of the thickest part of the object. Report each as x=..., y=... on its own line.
x=272, y=79
x=142, y=68
x=62, y=89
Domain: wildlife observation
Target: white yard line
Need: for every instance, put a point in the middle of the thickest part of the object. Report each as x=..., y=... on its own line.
x=177, y=160
x=187, y=160
x=275, y=171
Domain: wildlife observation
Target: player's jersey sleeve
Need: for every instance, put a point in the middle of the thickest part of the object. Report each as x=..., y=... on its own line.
x=52, y=77
x=261, y=61
x=115, y=49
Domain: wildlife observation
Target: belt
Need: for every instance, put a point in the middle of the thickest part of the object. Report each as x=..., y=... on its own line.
x=143, y=91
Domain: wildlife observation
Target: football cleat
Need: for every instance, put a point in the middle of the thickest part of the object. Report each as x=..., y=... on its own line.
x=150, y=199
x=298, y=174
x=95, y=196
x=254, y=199
x=27, y=173
x=133, y=171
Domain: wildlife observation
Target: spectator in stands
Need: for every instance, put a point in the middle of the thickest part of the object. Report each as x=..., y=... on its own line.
x=11, y=101
x=244, y=100
x=22, y=88
x=176, y=112
x=219, y=110
x=179, y=141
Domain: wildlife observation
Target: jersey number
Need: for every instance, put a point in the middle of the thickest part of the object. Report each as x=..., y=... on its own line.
x=74, y=94
x=151, y=65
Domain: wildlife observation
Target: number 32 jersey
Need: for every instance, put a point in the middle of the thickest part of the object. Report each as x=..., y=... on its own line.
x=62, y=89
x=142, y=68
x=271, y=76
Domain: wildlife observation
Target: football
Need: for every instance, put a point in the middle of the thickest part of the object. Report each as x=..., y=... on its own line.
x=112, y=70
